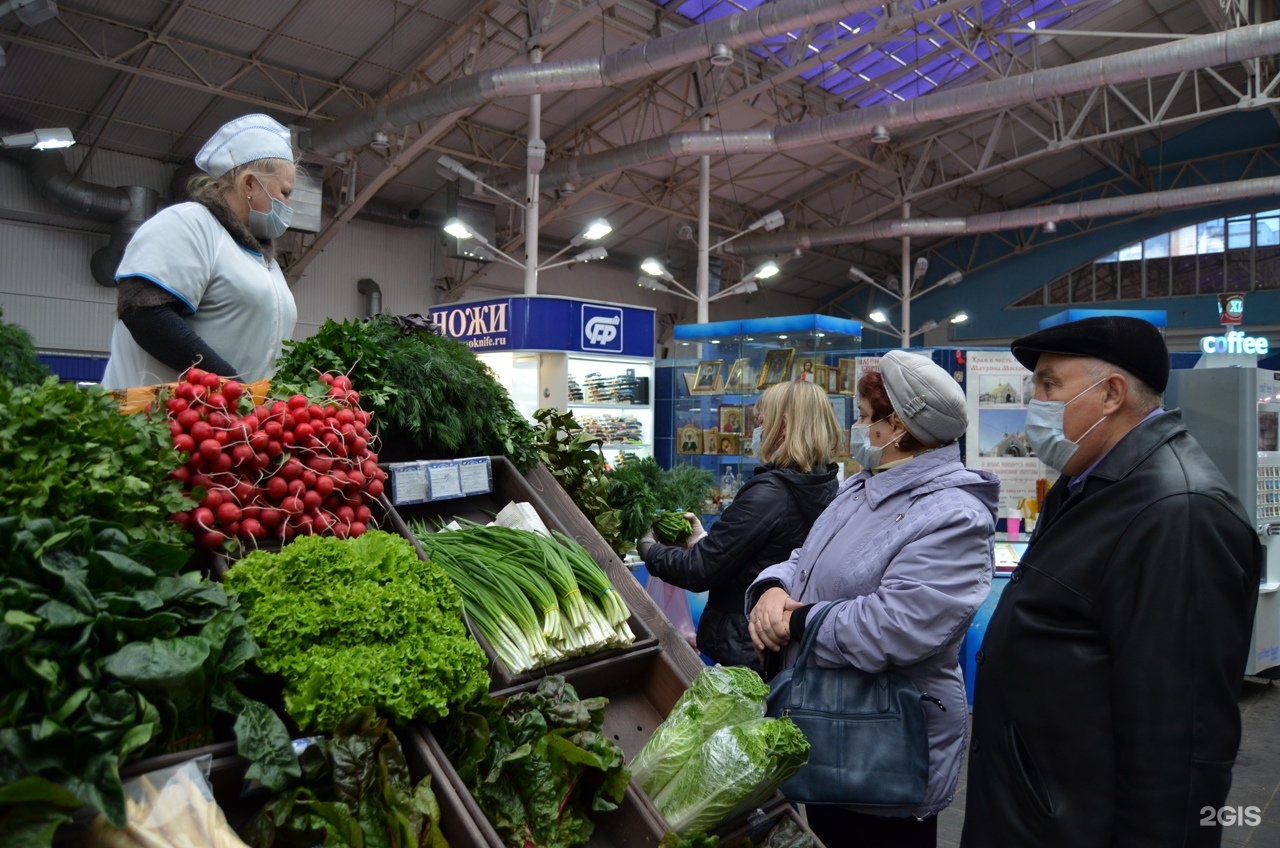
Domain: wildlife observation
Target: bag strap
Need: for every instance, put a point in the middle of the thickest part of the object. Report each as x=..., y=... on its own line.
x=811, y=626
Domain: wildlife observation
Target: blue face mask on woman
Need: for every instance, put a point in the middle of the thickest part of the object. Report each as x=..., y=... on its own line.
x=270, y=225
x=860, y=448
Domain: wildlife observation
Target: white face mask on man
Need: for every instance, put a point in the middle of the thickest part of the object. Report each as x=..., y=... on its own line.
x=1045, y=430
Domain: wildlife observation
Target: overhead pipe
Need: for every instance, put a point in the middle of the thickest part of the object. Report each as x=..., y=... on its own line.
x=642, y=60
x=1035, y=216
x=143, y=203
x=1219, y=48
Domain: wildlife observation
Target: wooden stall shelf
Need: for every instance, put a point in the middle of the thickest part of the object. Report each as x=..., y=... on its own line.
x=634, y=824
x=509, y=485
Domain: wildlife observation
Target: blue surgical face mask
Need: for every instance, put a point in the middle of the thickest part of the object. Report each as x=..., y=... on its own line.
x=756, y=436
x=869, y=456
x=1045, y=433
x=270, y=225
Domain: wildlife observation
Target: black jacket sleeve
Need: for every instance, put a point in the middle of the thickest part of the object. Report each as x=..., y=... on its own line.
x=161, y=332
x=744, y=529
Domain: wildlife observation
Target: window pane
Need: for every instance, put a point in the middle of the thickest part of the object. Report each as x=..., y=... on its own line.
x=1184, y=276
x=1211, y=274
x=1239, y=232
x=1035, y=297
x=1209, y=236
x=1130, y=253
x=1131, y=280
x=1083, y=283
x=1182, y=242
x=1156, y=247
x=1239, y=275
x=1060, y=290
x=1110, y=257
x=1267, y=231
x=1266, y=268
x=1157, y=278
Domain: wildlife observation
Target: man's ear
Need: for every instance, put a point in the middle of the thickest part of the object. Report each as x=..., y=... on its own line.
x=1117, y=393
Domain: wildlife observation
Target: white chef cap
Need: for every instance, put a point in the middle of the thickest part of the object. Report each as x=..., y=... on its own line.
x=243, y=140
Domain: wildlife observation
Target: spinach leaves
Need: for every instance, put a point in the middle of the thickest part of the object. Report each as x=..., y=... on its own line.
x=109, y=652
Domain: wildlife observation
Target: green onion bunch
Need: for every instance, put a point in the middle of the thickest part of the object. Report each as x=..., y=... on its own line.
x=537, y=599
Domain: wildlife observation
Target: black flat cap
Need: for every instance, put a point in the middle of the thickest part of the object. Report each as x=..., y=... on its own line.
x=1133, y=344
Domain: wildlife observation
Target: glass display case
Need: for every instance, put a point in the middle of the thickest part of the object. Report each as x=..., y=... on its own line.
x=613, y=399
x=706, y=394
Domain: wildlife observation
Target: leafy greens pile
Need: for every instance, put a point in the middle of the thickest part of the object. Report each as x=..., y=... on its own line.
x=574, y=458
x=359, y=622
x=431, y=398
x=538, y=763
x=639, y=488
x=18, y=360
x=68, y=452
x=716, y=755
x=355, y=791
x=109, y=652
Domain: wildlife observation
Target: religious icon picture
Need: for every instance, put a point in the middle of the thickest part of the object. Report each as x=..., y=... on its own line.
x=847, y=376
x=731, y=420
x=689, y=439
x=777, y=367
x=737, y=376
x=707, y=380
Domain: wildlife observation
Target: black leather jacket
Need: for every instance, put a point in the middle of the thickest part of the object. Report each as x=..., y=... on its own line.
x=768, y=519
x=1105, y=702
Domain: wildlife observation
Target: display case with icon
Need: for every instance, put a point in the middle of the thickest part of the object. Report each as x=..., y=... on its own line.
x=706, y=392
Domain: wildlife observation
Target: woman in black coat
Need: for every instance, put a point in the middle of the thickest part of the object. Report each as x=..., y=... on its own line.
x=795, y=436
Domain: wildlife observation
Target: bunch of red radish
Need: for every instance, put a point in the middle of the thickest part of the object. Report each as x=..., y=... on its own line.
x=291, y=467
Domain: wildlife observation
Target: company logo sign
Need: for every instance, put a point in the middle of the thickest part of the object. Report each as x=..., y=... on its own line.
x=1235, y=342
x=602, y=328
x=479, y=326
x=1231, y=309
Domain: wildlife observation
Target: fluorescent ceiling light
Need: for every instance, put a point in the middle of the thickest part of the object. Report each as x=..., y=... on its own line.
x=41, y=139
x=456, y=228
x=959, y=318
x=878, y=316
x=596, y=230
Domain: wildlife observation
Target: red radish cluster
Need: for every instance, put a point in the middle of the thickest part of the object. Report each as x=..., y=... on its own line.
x=290, y=467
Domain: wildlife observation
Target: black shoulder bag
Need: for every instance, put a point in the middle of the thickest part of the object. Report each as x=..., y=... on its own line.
x=868, y=732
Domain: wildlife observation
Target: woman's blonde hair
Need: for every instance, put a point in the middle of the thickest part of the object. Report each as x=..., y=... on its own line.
x=205, y=189
x=800, y=429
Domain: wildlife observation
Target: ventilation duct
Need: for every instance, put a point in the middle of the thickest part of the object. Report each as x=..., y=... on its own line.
x=372, y=296
x=48, y=172
x=143, y=203
x=643, y=60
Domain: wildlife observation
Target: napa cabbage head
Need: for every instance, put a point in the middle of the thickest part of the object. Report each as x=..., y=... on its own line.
x=736, y=769
x=719, y=696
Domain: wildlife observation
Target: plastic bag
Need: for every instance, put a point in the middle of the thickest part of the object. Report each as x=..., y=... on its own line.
x=674, y=603
x=173, y=807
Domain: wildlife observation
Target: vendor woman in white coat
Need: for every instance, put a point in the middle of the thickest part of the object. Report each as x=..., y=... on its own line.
x=903, y=556
x=199, y=282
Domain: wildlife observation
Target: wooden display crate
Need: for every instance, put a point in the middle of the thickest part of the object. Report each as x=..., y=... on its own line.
x=227, y=770
x=758, y=826
x=635, y=824
x=509, y=485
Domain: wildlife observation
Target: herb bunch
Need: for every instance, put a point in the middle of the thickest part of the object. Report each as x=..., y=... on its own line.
x=574, y=458
x=431, y=398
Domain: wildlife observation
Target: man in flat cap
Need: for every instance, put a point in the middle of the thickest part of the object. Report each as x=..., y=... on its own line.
x=1105, y=702
x=199, y=282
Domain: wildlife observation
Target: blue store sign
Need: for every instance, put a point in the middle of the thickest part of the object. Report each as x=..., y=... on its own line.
x=549, y=323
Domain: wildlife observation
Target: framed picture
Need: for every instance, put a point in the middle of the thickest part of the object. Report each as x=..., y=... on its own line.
x=711, y=441
x=727, y=444
x=731, y=420
x=777, y=367
x=689, y=439
x=707, y=381
x=736, y=379
x=805, y=372
x=831, y=376
x=847, y=376
x=688, y=380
